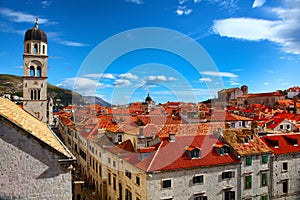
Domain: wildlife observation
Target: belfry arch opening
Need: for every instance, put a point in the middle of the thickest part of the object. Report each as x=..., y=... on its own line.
x=35, y=49
x=39, y=71
x=32, y=71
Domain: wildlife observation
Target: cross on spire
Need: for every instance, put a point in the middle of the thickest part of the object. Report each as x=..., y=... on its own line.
x=36, y=23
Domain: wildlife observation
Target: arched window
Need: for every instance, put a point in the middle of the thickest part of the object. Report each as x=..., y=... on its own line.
x=35, y=48
x=39, y=95
x=31, y=95
x=35, y=95
x=32, y=71
x=39, y=71
x=27, y=48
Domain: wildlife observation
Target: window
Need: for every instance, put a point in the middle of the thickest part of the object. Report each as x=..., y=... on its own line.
x=281, y=126
x=195, y=153
x=114, y=163
x=32, y=71
x=109, y=179
x=119, y=138
x=265, y=159
x=35, y=48
x=198, y=179
x=264, y=197
x=229, y=195
x=228, y=174
x=137, y=180
x=128, y=195
x=39, y=71
x=285, y=186
x=166, y=183
x=27, y=48
x=264, y=179
x=285, y=166
x=248, y=161
x=248, y=182
x=108, y=160
x=43, y=49
x=128, y=173
x=114, y=183
x=198, y=197
x=288, y=126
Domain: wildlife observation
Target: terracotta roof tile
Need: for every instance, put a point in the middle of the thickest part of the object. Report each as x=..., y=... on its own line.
x=32, y=125
x=172, y=155
x=240, y=140
x=283, y=144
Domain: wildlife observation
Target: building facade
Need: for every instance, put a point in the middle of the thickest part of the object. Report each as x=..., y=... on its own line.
x=34, y=162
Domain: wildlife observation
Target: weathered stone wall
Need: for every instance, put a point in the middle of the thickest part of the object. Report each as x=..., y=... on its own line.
x=29, y=170
x=182, y=186
x=292, y=175
x=255, y=170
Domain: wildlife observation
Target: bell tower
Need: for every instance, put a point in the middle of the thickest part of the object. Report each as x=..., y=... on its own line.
x=35, y=66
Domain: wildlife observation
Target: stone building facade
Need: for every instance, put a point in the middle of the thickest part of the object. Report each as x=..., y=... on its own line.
x=34, y=164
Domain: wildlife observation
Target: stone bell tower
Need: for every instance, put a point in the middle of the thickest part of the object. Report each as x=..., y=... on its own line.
x=35, y=72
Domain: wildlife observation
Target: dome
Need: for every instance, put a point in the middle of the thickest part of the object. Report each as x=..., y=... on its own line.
x=35, y=34
x=148, y=98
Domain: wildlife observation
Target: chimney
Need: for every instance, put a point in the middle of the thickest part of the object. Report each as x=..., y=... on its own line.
x=172, y=137
x=140, y=131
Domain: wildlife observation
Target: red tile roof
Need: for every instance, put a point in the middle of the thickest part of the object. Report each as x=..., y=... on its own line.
x=236, y=139
x=274, y=123
x=172, y=155
x=286, y=143
x=224, y=116
x=269, y=94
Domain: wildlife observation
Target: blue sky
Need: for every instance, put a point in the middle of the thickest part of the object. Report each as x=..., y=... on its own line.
x=251, y=42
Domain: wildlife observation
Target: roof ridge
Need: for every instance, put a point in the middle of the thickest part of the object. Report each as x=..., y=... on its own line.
x=154, y=156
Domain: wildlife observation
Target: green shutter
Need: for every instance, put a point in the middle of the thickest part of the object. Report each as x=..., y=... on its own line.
x=248, y=182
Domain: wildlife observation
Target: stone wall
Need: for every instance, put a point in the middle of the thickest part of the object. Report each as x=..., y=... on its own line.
x=182, y=186
x=291, y=174
x=29, y=169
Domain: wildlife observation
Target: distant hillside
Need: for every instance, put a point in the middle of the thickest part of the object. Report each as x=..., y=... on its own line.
x=97, y=100
x=11, y=84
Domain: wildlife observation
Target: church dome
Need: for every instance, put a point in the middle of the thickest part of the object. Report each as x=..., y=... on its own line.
x=148, y=98
x=35, y=34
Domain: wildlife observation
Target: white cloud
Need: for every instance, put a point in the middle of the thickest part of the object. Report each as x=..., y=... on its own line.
x=182, y=1
x=46, y=3
x=258, y=3
x=72, y=44
x=219, y=74
x=237, y=70
x=135, y=1
x=283, y=31
x=266, y=84
x=158, y=79
x=205, y=80
x=228, y=5
x=82, y=85
x=128, y=76
x=244, y=28
x=183, y=10
x=100, y=76
x=122, y=83
x=20, y=17
x=270, y=71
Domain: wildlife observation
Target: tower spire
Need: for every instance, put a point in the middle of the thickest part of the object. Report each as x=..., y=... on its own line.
x=36, y=23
